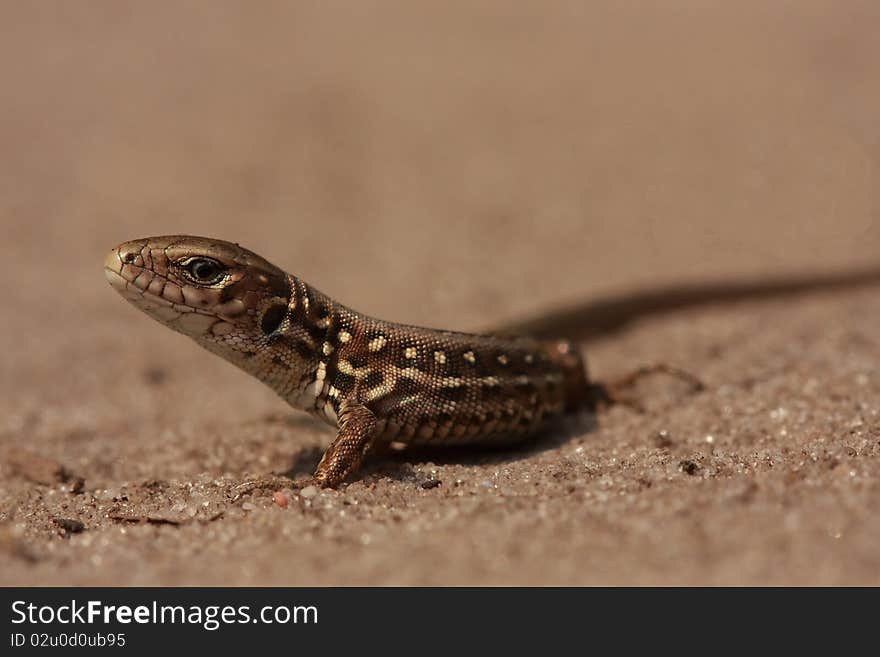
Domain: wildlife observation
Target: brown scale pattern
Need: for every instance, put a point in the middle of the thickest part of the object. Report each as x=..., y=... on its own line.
x=435, y=387
x=376, y=381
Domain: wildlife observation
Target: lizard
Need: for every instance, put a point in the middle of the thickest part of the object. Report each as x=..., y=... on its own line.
x=376, y=381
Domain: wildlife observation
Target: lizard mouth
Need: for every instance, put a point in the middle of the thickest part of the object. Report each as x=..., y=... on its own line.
x=135, y=282
x=137, y=295
x=114, y=278
x=120, y=283
x=164, y=300
x=156, y=306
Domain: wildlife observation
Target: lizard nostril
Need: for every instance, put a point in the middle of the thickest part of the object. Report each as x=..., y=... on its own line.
x=129, y=257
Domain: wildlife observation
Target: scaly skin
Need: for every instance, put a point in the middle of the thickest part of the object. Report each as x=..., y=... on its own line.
x=376, y=381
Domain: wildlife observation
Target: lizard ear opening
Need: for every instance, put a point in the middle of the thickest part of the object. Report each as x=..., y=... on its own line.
x=272, y=318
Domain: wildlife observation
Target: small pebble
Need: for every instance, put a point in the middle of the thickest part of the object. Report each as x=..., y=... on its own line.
x=107, y=494
x=247, y=506
x=281, y=498
x=308, y=492
x=663, y=439
x=430, y=483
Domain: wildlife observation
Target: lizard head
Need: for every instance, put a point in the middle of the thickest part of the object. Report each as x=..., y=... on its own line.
x=222, y=295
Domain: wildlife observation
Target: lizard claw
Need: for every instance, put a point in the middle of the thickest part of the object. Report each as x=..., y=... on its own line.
x=272, y=482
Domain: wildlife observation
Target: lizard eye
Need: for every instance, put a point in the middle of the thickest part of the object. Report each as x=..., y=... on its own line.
x=205, y=270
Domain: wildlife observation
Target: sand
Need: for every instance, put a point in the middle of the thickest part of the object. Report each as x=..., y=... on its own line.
x=456, y=167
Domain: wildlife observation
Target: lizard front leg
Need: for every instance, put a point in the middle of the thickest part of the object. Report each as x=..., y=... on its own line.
x=355, y=438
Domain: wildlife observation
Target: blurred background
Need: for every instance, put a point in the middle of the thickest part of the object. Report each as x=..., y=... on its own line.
x=452, y=164
x=423, y=160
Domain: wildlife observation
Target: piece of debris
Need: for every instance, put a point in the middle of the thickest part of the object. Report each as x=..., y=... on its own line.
x=688, y=467
x=430, y=483
x=76, y=485
x=155, y=376
x=153, y=520
x=41, y=469
x=69, y=526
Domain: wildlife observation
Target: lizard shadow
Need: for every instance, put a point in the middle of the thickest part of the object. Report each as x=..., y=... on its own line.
x=398, y=464
x=588, y=320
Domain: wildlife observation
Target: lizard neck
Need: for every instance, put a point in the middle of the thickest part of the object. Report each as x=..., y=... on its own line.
x=288, y=343
x=299, y=347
